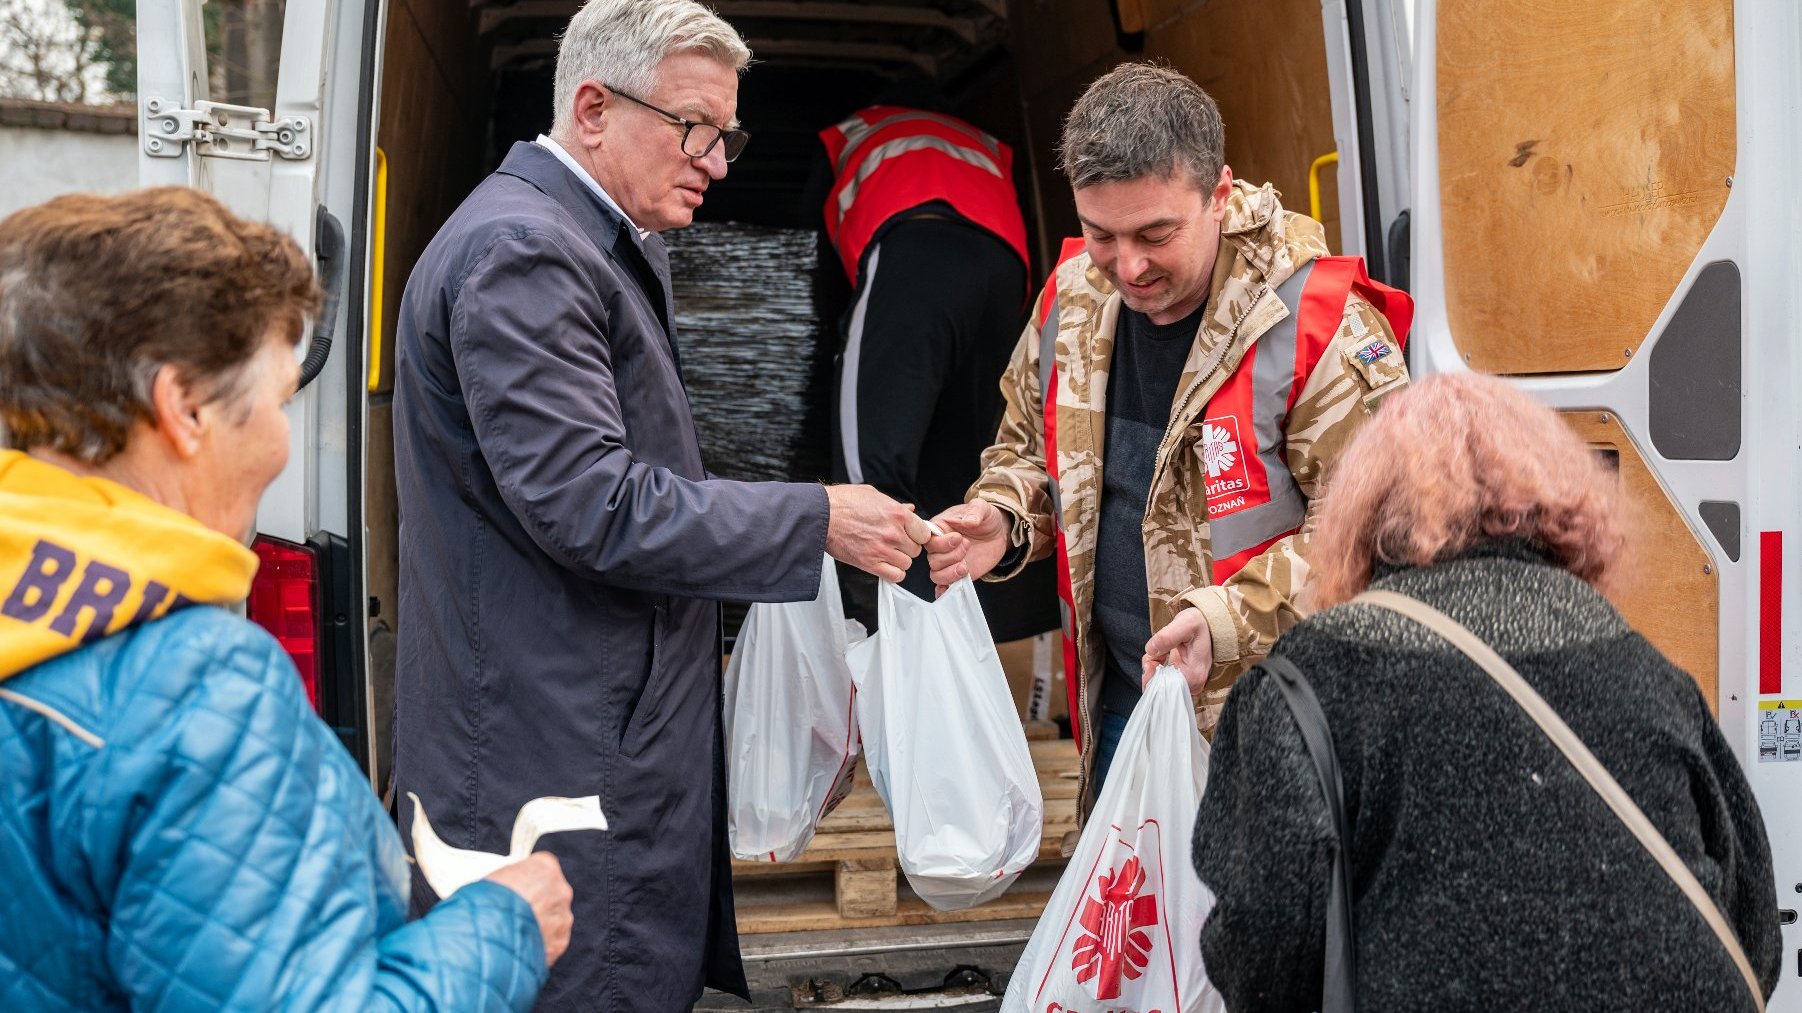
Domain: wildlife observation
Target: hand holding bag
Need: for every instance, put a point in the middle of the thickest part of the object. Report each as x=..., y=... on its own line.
x=1119, y=931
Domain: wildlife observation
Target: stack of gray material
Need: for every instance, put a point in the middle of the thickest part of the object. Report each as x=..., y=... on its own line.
x=754, y=355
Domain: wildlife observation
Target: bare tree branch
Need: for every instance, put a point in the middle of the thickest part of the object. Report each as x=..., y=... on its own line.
x=46, y=54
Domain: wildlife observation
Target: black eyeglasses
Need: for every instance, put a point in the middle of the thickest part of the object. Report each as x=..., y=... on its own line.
x=698, y=138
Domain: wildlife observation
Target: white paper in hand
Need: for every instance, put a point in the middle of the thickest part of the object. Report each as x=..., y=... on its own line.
x=1122, y=929
x=449, y=869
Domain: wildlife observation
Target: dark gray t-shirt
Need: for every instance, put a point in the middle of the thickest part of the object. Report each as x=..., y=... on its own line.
x=1141, y=386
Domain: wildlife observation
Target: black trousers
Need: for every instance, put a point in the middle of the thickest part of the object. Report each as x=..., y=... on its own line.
x=933, y=322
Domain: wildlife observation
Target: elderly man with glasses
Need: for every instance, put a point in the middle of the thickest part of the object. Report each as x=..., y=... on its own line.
x=563, y=550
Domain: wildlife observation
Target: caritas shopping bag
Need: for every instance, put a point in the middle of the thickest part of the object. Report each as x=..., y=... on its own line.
x=1122, y=932
x=791, y=726
x=945, y=747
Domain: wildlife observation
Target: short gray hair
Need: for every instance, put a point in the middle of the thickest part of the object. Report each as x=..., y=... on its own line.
x=1142, y=119
x=619, y=43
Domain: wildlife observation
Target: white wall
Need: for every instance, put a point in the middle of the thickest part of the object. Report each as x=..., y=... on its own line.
x=37, y=164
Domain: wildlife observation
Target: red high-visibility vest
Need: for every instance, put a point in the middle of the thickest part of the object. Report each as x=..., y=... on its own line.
x=890, y=159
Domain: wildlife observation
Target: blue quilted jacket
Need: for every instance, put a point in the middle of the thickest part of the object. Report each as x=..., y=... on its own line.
x=179, y=832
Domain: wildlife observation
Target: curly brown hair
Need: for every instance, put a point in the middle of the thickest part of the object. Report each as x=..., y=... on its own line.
x=99, y=292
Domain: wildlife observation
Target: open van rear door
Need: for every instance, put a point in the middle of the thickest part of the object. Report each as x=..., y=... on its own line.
x=290, y=144
x=1604, y=209
x=1369, y=64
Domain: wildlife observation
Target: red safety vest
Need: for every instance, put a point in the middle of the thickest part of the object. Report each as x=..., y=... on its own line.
x=1252, y=499
x=890, y=159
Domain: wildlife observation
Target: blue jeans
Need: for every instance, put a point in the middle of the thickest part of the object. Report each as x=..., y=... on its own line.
x=1107, y=739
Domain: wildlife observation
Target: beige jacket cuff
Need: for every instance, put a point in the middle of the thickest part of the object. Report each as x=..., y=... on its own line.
x=1019, y=535
x=1211, y=601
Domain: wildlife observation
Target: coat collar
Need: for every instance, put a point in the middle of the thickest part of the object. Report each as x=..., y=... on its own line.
x=609, y=228
x=582, y=176
x=547, y=172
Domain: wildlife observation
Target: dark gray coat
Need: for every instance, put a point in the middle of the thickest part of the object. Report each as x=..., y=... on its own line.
x=1486, y=873
x=562, y=554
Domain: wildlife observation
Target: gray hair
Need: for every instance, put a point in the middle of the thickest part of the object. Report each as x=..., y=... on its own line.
x=1138, y=120
x=619, y=43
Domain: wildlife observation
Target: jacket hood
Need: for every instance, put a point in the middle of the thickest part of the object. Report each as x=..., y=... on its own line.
x=1273, y=242
x=81, y=558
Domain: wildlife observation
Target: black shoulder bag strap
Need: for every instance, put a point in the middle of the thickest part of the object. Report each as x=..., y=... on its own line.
x=1340, y=972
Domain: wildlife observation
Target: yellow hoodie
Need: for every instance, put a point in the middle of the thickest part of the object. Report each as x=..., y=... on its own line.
x=84, y=557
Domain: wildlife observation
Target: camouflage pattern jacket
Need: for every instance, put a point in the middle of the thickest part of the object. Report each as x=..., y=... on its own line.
x=1262, y=247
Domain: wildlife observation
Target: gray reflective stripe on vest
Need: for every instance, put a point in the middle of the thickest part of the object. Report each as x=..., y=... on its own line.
x=855, y=130
x=903, y=145
x=1272, y=377
x=849, y=368
x=1047, y=370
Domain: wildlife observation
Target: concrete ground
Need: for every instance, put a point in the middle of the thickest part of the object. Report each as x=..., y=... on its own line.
x=944, y=967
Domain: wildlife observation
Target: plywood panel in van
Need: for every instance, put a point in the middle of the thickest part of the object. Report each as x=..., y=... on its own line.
x=1264, y=61
x=1584, y=154
x=1670, y=591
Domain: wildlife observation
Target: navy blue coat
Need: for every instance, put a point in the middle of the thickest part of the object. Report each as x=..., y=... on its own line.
x=562, y=556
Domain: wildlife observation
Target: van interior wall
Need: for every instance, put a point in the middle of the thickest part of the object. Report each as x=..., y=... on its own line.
x=448, y=117
x=1263, y=61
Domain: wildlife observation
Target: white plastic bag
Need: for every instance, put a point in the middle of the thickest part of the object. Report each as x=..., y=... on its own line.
x=1122, y=931
x=945, y=747
x=791, y=727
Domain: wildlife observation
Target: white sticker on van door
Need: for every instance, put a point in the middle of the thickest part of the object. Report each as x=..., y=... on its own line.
x=1780, y=731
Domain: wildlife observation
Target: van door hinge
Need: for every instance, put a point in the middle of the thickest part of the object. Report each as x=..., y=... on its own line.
x=223, y=131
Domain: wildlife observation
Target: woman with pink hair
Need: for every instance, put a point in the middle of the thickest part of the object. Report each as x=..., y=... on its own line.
x=1484, y=870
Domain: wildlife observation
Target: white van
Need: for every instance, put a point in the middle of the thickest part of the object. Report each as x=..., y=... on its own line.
x=1596, y=199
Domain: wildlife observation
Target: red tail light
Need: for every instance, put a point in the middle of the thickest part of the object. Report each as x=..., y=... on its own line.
x=283, y=600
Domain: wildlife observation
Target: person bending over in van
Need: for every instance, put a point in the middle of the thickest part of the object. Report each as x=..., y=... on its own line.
x=920, y=211
x=1486, y=872
x=1201, y=336
x=563, y=550
x=178, y=830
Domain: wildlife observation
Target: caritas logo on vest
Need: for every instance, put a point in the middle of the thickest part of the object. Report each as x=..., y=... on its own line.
x=1224, y=454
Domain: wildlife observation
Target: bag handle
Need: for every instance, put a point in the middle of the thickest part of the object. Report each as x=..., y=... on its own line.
x=1341, y=970
x=1580, y=757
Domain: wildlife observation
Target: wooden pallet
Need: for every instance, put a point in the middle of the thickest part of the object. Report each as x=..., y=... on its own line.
x=848, y=875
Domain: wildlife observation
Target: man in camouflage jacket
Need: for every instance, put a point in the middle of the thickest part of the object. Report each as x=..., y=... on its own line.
x=1214, y=257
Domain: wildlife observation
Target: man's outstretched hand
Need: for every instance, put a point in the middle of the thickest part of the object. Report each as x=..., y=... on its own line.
x=872, y=532
x=973, y=537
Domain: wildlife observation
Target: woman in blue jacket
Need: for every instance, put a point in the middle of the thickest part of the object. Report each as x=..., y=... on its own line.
x=177, y=830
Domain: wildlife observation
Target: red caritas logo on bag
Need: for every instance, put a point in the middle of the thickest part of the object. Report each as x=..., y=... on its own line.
x=1114, y=943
